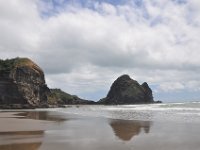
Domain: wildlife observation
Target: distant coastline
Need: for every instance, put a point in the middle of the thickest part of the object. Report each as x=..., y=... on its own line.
x=22, y=85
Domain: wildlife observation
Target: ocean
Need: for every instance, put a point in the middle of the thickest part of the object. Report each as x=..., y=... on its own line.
x=179, y=112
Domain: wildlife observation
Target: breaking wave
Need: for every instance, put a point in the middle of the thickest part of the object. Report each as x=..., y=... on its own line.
x=151, y=112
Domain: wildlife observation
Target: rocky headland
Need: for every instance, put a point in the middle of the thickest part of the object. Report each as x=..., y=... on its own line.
x=22, y=85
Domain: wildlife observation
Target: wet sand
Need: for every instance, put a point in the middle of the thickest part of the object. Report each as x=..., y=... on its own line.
x=50, y=130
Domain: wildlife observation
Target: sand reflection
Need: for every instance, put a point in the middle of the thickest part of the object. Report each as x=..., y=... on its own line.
x=21, y=146
x=21, y=140
x=42, y=115
x=27, y=132
x=127, y=129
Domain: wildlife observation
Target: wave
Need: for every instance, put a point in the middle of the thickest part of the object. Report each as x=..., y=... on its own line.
x=151, y=112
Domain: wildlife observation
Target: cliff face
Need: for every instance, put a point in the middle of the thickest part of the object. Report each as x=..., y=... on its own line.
x=125, y=90
x=22, y=82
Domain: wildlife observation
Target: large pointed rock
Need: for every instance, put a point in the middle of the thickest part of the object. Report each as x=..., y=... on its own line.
x=125, y=90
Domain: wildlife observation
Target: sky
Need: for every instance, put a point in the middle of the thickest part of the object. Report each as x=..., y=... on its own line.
x=84, y=45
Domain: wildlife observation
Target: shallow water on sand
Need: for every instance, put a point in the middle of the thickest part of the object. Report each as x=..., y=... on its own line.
x=127, y=127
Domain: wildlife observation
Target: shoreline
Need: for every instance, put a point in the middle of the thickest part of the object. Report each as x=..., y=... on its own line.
x=27, y=106
x=76, y=128
x=11, y=121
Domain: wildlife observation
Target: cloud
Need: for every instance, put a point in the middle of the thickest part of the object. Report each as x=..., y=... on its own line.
x=171, y=86
x=84, y=45
x=19, y=27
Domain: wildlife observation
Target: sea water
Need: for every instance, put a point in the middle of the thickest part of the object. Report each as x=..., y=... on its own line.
x=179, y=112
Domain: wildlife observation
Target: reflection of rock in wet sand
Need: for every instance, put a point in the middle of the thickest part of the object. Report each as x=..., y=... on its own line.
x=21, y=146
x=126, y=129
x=21, y=140
x=41, y=115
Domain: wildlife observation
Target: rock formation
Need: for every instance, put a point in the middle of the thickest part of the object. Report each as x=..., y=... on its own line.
x=22, y=84
x=125, y=90
x=60, y=97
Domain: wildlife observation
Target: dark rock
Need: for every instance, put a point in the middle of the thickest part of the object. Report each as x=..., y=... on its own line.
x=60, y=97
x=125, y=90
x=158, y=101
x=148, y=93
x=22, y=84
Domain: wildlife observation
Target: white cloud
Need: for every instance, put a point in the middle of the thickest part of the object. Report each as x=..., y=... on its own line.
x=85, y=49
x=19, y=28
x=171, y=86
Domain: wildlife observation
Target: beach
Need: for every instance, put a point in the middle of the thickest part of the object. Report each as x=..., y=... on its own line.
x=134, y=127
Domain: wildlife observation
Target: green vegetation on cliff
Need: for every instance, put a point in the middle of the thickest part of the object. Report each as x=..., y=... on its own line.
x=9, y=64
x=61, y=97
